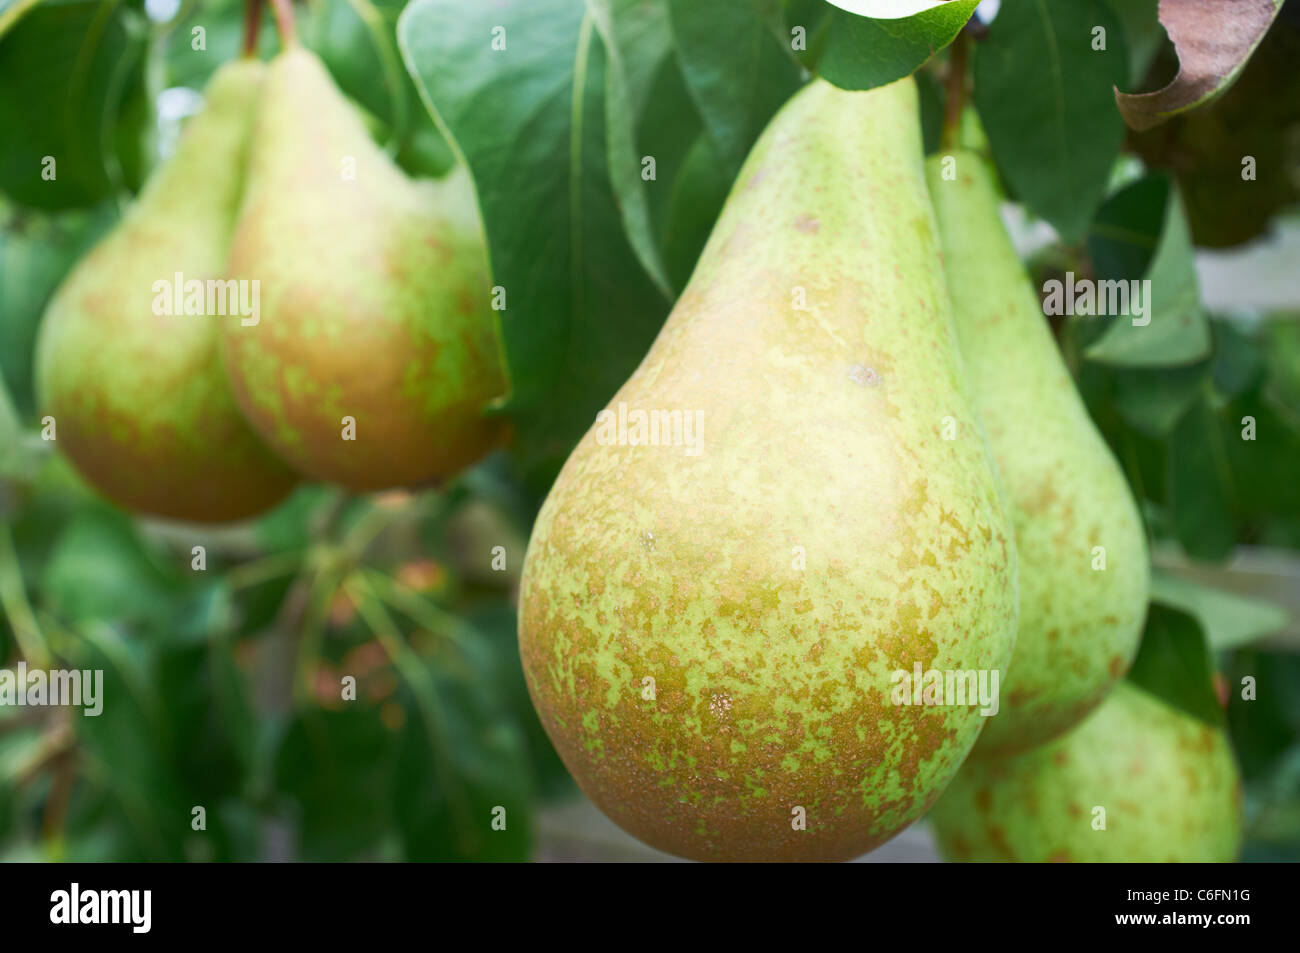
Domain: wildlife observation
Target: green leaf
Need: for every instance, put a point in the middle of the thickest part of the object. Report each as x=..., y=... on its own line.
x=20, y=748
x=637, y=40
x=100, y=570
x=291, y=524
x=1174, y=664
x=1173, y=329
x=1237, y=364
x=462, y=773
x=337, y=766
x=1264, y=727
x=1143, y=34
x=211, y=744
x=1123, y=236
x=669, y=128
x=1044, y=95
x=932, y=97
x=357, y=41
x=863, y=53
x=128, y=745
x=1153, y=400
x=530, y=121
x=1200, y=490
x=1264, y=466
x=496, y=628
x=67, y=72
x=222, y=23
x=698, y=195
x=1281, y=346
x=1229, y=620
x=738, y=72
x=11, y=11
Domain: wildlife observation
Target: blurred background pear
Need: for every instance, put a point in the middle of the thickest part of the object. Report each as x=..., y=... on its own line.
x=140, y=398
x=374, y=298
x=1084, y=577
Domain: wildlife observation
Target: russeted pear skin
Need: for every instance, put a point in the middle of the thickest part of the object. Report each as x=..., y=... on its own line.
x=709, y=636
x=374, y=298
x=1084, y=577
x=140, y=399
x=1168, y=784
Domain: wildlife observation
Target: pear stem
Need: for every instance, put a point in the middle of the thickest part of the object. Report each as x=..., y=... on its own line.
x=955, y=88
x=252, y=25
x=284, y=22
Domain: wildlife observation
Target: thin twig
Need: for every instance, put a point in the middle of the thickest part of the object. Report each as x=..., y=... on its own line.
x=955, y=88
x=13, y=597
x=252, y=26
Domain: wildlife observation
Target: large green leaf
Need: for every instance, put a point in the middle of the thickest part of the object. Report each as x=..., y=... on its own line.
x=698, y=194
x=67, y=75
x=1174, y=329
x=637, y=41
x=100, y=570
x=200, y=38
x=128, y=745
x=1044, y=95
x=736, y=68
x=530, y=121
x=337, y=766
x=464, y=786
x=863, y=53
x=1174, y=664
x=1153, y=400
x=357, y=40
x=497, y=629
x=1201, y=493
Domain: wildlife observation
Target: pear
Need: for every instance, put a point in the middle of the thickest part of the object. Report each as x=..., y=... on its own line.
x=135, y=384
x=768, y=522
x=1084, y=576
x=375, y=353
x=1136, y=781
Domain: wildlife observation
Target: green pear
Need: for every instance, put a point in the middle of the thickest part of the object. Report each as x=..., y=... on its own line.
x=1136, y=781
x=134, y=383
x=716, y=598
x=376, y=352
x=1083, y=560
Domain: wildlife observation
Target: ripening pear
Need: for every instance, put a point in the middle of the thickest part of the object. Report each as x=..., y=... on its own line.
x=132, y=372
x=1080, y=540
x=376, y=351
x=1136, y=781
x=787, y=507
